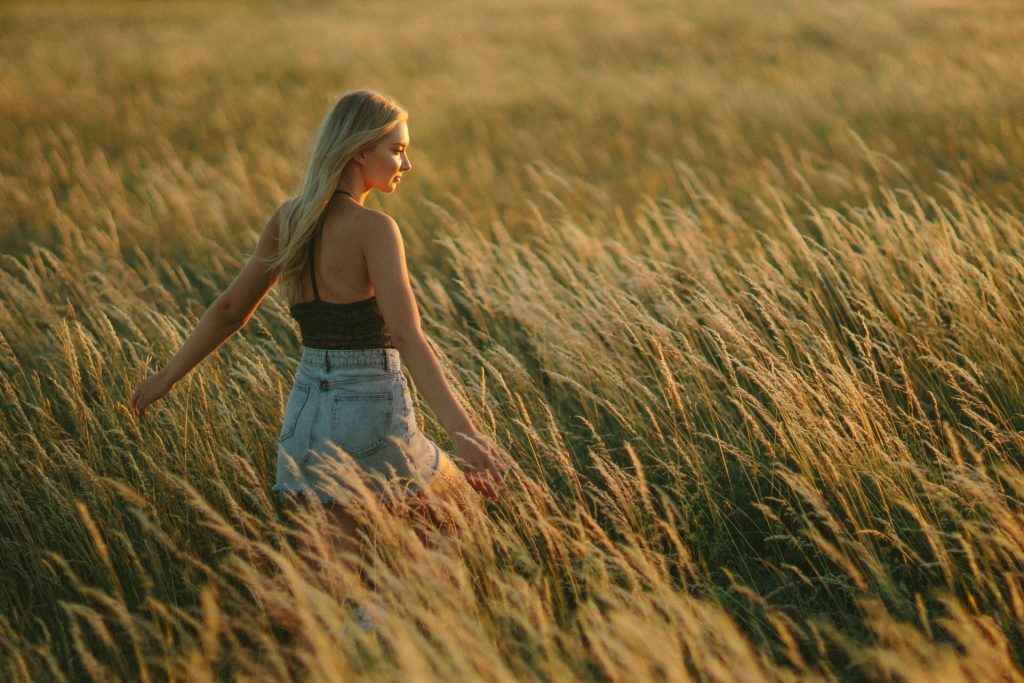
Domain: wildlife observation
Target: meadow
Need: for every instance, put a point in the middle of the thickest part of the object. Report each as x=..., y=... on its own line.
x=737, y=285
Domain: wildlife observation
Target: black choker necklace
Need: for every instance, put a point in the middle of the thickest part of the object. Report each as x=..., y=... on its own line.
x=344, y=193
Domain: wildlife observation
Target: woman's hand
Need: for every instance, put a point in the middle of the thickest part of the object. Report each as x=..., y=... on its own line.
x=150, y=389
x=480, y=462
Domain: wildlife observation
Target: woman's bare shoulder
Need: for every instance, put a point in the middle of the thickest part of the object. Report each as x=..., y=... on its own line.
x=381, y=230
x=286, y=205
x=379, y=219
x=282, y=210
x=277, y=218
x=369, y=223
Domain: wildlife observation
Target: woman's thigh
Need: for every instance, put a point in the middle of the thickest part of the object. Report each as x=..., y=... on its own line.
x=343, y=526
x=451, y=484
x=448, y=486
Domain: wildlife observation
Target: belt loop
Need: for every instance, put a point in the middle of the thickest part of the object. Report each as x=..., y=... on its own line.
x=327, y=360
x=387, y=360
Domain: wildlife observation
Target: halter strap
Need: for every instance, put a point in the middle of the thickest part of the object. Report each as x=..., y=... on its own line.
x=312, y=252
x=312, y=267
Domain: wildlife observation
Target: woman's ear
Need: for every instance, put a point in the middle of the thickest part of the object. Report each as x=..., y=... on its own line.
x=359, y=157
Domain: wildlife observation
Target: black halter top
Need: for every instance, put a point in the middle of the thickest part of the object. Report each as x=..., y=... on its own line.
x=328, y=325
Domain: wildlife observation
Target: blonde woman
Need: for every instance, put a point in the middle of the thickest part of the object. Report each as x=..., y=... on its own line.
x=342, y=268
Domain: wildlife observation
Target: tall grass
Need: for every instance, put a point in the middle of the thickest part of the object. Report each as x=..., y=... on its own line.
x=738, y=286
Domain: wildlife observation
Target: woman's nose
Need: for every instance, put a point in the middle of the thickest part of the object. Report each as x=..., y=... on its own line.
x=405, y=163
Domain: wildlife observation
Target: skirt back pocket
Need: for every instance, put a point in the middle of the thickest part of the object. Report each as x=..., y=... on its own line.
x=360, y=422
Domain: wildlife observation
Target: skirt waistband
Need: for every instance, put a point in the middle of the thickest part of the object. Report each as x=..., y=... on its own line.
x=388, y=359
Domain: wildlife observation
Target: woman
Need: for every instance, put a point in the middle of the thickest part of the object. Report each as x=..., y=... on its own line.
x=342, y=267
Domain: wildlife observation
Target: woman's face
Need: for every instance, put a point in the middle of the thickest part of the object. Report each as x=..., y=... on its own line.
x=385, y=162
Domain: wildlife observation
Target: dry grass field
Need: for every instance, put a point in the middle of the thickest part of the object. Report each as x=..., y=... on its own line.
x=738, y=284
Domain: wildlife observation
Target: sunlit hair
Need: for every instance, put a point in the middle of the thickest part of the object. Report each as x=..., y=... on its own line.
x=358, y=120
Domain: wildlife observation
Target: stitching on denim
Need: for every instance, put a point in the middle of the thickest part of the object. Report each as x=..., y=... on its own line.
x=298, y=413
x=316, y=419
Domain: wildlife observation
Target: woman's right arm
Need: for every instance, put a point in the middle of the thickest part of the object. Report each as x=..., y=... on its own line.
x=385, y=261
x=225, y=316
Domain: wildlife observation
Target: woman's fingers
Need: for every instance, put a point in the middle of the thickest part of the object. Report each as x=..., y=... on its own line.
x=500, y=462
x=147, y=391
x=493, y=476
x=477, y=483
x=498, y=467
x=136, y=397
x=141, y=400
x=483, y=464
x=486, y=490
x=486, y=481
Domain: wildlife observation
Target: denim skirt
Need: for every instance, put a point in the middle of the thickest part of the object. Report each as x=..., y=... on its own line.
x=349, y=414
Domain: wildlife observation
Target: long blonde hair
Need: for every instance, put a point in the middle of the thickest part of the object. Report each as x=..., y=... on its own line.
x=359, y=119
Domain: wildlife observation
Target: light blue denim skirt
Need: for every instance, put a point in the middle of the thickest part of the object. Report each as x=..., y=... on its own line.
x=350, y=412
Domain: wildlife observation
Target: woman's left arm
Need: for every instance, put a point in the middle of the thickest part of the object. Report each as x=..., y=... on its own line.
x=225, y=316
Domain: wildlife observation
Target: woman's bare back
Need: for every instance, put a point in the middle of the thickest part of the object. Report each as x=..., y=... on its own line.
x=341, y=273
